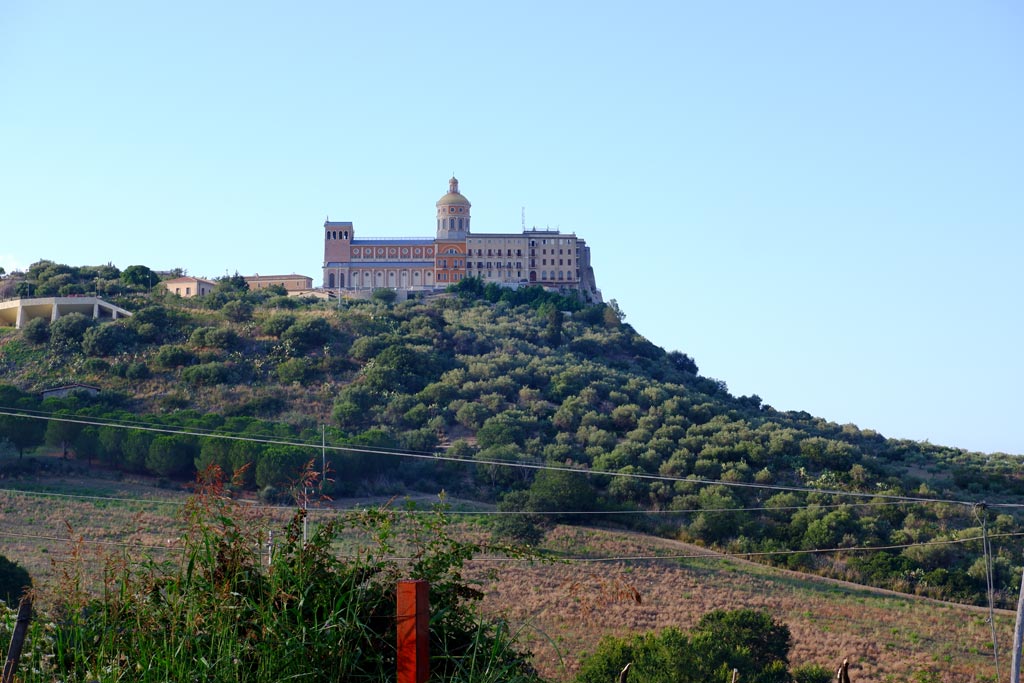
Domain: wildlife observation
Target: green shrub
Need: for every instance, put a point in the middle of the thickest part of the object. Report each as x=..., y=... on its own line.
x=237, y=311
x=214, y=338
x=137, y=371
x=278, y=324
x=67, y=332
x=173, y=356
x=220, y=614
x=746, y=640
x=36, y=331
x=108, y=340
x=206, y=374
x=812, y=673
x=14, y=579
x=308, y=333
x=96, y=365
x=293, y=370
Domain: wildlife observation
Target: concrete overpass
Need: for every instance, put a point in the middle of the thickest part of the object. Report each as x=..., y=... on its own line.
x=17, y=312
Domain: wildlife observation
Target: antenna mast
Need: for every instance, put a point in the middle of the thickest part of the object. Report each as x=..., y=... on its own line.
x=524, y=219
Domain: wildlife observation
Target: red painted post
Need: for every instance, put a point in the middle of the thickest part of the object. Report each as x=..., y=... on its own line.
x=413, y=631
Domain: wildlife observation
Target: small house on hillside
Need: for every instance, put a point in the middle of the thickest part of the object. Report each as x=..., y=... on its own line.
x=188, y=287
x=291, y=283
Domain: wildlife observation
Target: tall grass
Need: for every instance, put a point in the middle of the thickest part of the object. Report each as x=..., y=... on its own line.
x=220, y=612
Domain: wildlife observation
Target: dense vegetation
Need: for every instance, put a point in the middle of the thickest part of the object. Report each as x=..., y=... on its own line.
x=493, y=378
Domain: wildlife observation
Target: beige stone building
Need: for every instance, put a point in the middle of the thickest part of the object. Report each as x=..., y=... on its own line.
x=549, y=258
x=188, y=287
x=291, y=283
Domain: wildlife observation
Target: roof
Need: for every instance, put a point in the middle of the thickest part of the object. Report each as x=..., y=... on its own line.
x=390, y=241
x=383, y=264
x=69, y=387
x=337, y=224
x=188, y=279
x=293, y=276
x=453, y=198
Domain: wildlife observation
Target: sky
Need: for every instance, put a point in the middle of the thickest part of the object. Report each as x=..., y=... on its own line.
x=820, y=202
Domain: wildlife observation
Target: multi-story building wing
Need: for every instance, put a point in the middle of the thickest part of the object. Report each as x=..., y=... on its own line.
x=544, y=257
x=395, y=262
x=498, y=257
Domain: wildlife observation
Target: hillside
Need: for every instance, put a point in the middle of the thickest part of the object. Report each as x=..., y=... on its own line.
x=535, y=401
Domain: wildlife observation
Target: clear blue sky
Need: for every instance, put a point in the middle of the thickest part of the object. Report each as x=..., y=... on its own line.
x=820, y=202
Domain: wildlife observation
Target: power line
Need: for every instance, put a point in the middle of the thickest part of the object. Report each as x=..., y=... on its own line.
x=439, y=457
x=709, y=554
x=426, y=511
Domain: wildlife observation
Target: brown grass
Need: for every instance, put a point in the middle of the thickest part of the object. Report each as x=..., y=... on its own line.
x=564, y=609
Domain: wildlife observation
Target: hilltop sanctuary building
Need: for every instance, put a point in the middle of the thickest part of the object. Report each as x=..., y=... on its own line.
x=552, y=259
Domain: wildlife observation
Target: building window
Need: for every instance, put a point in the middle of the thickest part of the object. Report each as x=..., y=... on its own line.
x=188, y=290
x=177, y=290
x=460, y=222
x=330, y=280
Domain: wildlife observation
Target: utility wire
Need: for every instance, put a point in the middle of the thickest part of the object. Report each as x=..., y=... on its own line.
x=709, y=554
x=426, y=511
x=439, y=457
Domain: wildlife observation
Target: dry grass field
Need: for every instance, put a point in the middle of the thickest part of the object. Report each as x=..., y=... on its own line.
x=562, y=609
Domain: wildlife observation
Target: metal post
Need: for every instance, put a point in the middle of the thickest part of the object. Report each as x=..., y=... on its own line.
x=1018, y=635
x=413, y=631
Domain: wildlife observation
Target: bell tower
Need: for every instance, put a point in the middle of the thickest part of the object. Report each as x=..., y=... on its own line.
x=453, y=213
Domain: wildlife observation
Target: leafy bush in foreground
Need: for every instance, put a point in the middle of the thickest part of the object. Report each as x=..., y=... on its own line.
x=745, y=640
x=216, y=614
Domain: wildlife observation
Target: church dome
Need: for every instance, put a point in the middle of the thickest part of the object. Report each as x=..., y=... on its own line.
x=454, y=197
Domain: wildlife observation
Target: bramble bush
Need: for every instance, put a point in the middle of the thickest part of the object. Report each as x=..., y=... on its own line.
x=215, y=612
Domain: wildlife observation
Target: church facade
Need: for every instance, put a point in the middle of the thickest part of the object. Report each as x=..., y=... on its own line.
x=550, y=258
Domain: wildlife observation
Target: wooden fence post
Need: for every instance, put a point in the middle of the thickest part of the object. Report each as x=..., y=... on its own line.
x=17, y=639
x=843, y=674
x=413, y=631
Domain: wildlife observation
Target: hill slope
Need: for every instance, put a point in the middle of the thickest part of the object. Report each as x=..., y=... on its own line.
x=535, y=400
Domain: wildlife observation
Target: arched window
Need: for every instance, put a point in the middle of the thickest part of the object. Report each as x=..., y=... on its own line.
x=330, y=281
x=460, y=222
x=345, y=235
x=341, y=278
x=451, y=223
